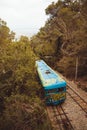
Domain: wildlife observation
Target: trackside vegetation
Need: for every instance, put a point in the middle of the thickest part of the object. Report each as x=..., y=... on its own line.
x=21, y=107
x=61, y=42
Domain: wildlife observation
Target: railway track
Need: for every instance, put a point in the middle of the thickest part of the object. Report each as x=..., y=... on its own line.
x=77, y=98
x=59, y=118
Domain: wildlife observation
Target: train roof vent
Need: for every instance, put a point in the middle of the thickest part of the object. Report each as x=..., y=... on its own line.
x=47, y=72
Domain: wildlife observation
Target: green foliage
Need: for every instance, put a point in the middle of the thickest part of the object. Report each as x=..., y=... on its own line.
x=23, y=112
x=17, y=65
x=67, y=66
x=64, y=36
x=6, y=36
x=24, y=39
x=59, y=42
x=50, y=9
x=20, y=105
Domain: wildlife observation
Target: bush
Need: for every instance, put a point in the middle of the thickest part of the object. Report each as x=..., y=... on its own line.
x=23, y=112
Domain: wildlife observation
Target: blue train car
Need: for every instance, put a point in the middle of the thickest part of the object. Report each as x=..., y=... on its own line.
x=54, y=86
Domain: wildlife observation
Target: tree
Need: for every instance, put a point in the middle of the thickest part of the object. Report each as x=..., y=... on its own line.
x=24, y=39
x=6, y=36
x=66, y=33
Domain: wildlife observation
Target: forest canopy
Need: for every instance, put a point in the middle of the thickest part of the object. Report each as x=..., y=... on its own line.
x=64, y=37
x=62, y=43
x=20, y=98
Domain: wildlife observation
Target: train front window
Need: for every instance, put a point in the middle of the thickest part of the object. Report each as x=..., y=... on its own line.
x=57, y=90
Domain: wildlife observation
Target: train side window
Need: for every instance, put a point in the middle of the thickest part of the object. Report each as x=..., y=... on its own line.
x=52, y=90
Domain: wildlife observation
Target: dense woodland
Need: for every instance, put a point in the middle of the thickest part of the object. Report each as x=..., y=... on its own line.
x=21, y=107
x=63, y=39
x=62, y=43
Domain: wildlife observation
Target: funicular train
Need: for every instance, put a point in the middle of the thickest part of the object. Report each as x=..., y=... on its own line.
x=54, y=86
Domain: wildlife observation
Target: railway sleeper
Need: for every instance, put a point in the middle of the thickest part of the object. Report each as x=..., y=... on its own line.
x=60, y=114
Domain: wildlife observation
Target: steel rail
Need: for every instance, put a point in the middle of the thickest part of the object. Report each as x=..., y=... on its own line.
x=78, y=101
x=56, y=115
x=66, y=122
x=52, y=110
x=77, y=93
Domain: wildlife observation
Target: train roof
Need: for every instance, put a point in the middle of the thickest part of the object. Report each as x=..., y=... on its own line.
x=49, y=78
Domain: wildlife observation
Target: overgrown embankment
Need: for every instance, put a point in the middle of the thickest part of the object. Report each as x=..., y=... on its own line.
x=20, y=103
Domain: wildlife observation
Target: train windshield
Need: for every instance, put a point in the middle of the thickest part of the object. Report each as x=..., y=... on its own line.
x=57, y=90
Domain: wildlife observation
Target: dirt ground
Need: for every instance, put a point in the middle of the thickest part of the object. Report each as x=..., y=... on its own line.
x=76, y=115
